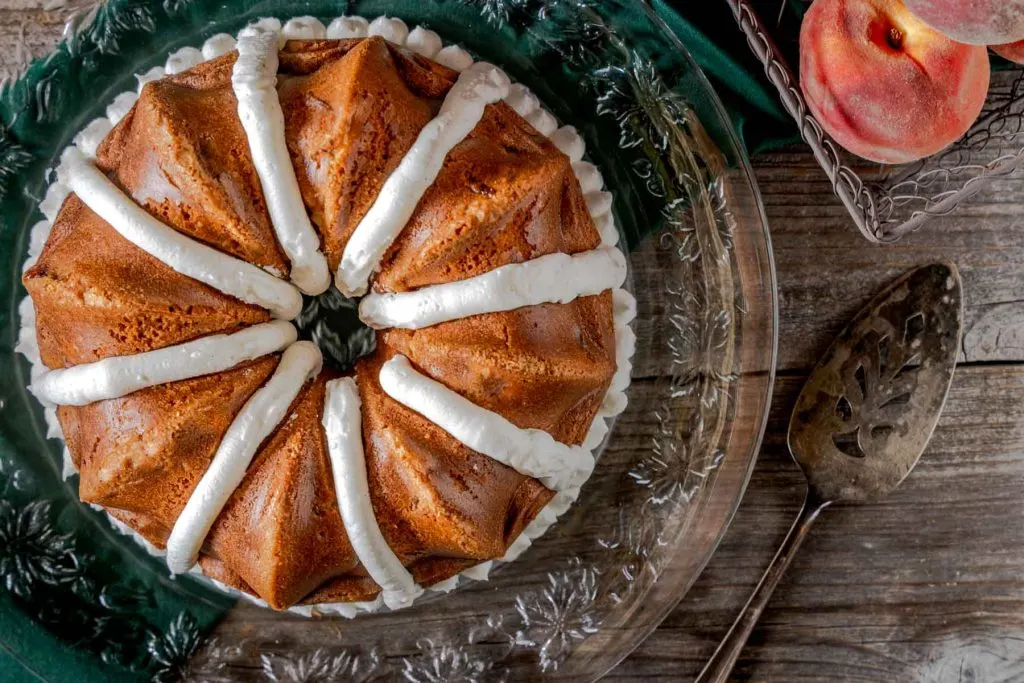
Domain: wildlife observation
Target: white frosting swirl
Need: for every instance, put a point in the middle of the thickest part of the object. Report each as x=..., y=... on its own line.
x=217, y=45
x=89, y=138
x=553, y=278
x=121, y=375
x=183, y=60
x=522, y=100
x=254, y=79
x=589, y=177
x=268, y=25
x=120, y=107
x=54, y=199
x=390, y=29
x=257, y=420
x=532, y=452
x=454, y=57
x=424, y=42
x=462, y=109
x=185, y=255
x=569, y=143
x=543, y=121
x=348, y=27
x=37, y=237
x=623, y=311
x=303, y=28
x=598, y=203
x=605, y=224
x=343, y=425
x=595, y=435
x=154, y=74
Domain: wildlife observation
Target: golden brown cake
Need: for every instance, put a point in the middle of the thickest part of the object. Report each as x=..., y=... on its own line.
x=143, y=430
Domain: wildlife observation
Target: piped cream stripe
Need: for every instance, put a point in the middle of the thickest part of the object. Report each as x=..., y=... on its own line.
x=257, y=419
x=122, y=375
x=553, y=278
x=185, y=255
x=463, y=107
x=343, y=425
x=254, y=80
x=532, y=452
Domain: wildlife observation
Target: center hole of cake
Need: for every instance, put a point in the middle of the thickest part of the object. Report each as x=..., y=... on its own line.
x=331, y=321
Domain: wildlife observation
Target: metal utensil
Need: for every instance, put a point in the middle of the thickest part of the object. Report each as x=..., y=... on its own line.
x=865, y=416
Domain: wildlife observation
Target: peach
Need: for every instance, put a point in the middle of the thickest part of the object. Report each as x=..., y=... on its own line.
x=978, y=22
x=883, y=84
x=1012, y=51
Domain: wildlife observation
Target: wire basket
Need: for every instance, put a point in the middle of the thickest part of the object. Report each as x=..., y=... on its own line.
x=888, y=202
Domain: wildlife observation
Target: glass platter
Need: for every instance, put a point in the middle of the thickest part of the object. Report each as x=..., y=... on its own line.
x=81, y=602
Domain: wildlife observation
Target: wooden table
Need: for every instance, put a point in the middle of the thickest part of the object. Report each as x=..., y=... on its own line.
x=927, y=586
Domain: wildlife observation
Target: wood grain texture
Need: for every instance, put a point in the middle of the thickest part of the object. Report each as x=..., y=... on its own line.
x=926, y=586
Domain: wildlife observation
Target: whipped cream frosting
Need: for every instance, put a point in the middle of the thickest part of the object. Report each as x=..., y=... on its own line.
x=598, y=203
x=254, y=80
x=121, y=105
x=183, y=60
x=38, y=235
x=424, y=42
x=463, y=107
x=53, y=200
x=454, y=57
x=89, y=138
x=532, y=452
x=348, y=27
x=117, y=376
x=624, y=311
x=569, y=143
x=257, y=420
x=182, y=253
x=553, y=278
x=303, y=28
x=154, y=74
x=217, y=45
x=589, y=177
x=543, y=121
x=522, y=100
x=390, y=29
x=343, y=425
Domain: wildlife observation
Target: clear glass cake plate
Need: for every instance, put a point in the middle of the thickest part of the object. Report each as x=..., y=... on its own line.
x=81, y=602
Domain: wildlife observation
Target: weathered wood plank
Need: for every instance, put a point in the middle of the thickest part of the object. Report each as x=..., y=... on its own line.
x=827, y=272
x=900, y=590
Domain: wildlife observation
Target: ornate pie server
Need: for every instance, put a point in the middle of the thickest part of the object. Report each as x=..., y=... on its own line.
x=865, y=416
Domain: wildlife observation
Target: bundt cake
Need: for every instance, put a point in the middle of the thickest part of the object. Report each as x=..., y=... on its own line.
x=184, y=231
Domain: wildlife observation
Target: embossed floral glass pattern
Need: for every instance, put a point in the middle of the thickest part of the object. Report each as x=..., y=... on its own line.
x=670, y=474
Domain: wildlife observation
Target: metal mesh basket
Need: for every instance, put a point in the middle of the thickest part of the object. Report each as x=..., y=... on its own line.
x=888, y=202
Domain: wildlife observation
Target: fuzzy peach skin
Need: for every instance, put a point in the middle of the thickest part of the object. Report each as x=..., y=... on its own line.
x=883, y=84
x=1012, y=51
x=978, y=22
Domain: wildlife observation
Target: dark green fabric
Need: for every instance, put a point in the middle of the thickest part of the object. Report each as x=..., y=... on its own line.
x=712, y=36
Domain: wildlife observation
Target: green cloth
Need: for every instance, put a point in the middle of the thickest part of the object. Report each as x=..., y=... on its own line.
x=714, y=39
